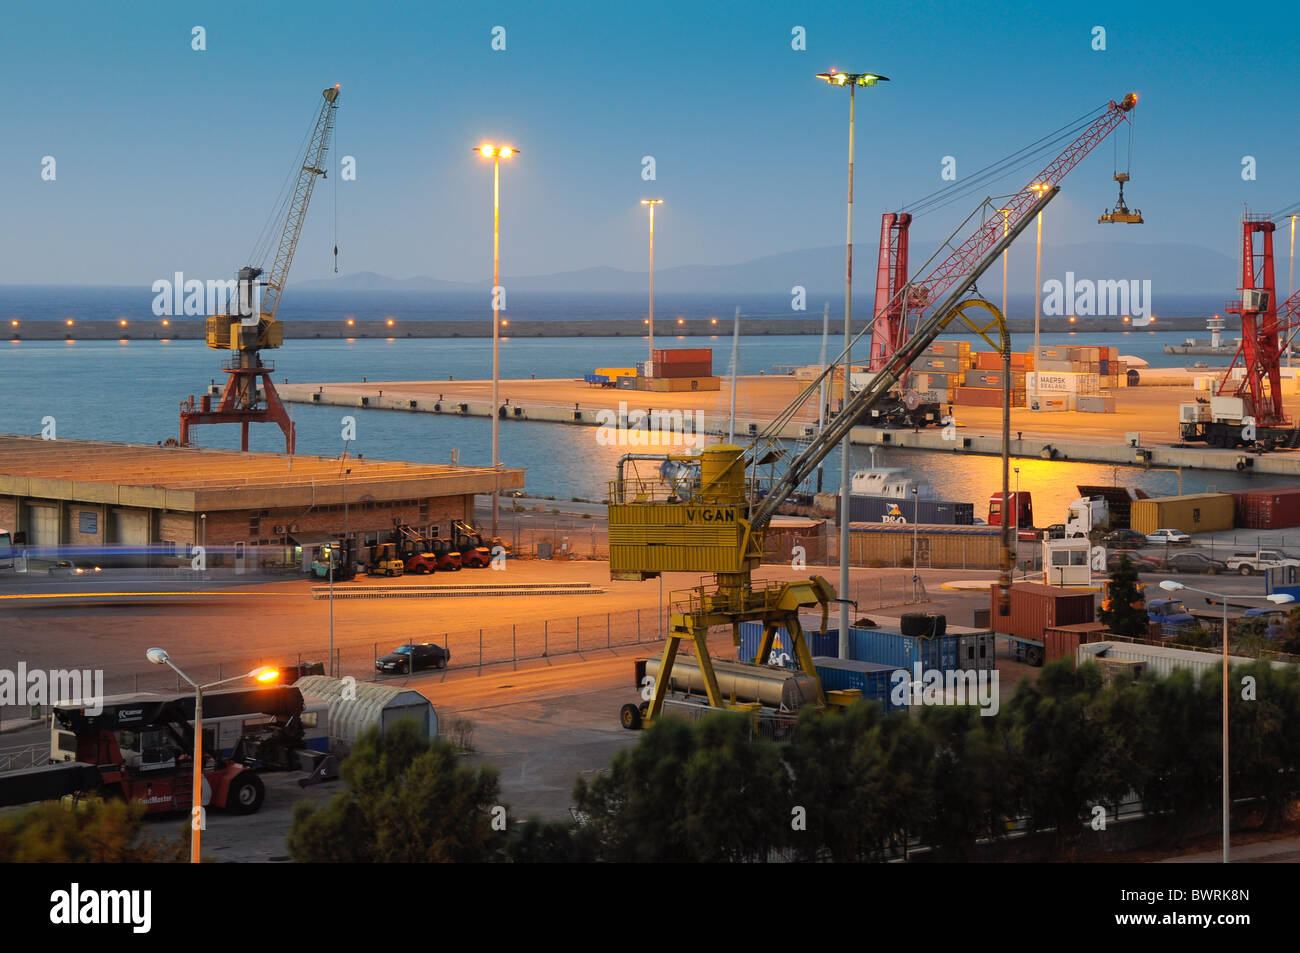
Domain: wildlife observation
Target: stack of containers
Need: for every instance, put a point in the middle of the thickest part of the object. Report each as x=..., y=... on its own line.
x=751, y=635
x=1064, y=376
x=984, y=389
x=681, y=369
x=873, y=680
x=938, y=372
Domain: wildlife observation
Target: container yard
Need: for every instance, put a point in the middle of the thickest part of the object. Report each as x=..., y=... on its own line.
x=1194, y=513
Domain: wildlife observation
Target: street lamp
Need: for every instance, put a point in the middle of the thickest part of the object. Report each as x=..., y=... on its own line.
x=333, y=557
x=652, y=203
x=203, y=543
x=1040, y=188
x=852, y=81
x=1277, y=599
x=263, y=674
x=916, y=503
x=1005, y=228
x=496, y=154
x=1290, y=283
x=1015, y=531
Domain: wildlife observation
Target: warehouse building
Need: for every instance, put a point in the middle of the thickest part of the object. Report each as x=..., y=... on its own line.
x=248, y=509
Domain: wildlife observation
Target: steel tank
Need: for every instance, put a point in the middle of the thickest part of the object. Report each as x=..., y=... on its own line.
x=774, y=687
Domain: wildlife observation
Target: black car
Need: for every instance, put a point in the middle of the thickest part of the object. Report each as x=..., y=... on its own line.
x=1127, y=538
x=1195, y=562
x=1055, y=531
x=426, y=654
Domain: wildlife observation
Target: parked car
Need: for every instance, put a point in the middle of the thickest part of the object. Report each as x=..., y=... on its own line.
x=1140, y=563
x=1195, y=562
x=1055, y=531
x=1129, y=538
x=66, y=567
x=425, y=654
x=1260, y=562
x=1164, y=537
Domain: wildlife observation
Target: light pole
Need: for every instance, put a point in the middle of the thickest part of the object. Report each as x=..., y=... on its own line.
x=1290, y=283
x=852, y=81
x=1277, y=599
x=1040, y=188
x=203, y=544
x=1015, y=531
x=1005, y=227
x=652, y=203
x=264, y=674
x=916, y=573
x=496, y=154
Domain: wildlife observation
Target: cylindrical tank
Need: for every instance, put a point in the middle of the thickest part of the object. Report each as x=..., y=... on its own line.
x=774, y=687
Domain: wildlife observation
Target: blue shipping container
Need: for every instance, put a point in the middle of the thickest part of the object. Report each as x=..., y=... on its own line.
x=885, y=509
x=873, y=681
x=751, y=633
x=887, y=646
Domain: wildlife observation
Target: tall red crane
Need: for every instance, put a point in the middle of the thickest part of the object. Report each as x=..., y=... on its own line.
x=1266, y=328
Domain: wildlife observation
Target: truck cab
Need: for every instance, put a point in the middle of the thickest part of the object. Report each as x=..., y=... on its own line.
x=1020, y=513
x=1171, y=614
x=1250, y=563
x=1087, y=514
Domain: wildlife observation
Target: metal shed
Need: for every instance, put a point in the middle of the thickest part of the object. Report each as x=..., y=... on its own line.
x=355, y=706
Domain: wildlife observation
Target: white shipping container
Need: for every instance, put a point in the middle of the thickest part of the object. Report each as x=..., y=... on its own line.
x=1162, y=659
x=1058, y=383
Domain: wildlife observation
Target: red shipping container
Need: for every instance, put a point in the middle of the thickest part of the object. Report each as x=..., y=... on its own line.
x=1061, y=641
x=684, y=355
x=1035, y=608
x=1273, y=508
x=683, y=370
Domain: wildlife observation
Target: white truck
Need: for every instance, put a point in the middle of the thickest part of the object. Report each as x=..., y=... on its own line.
x=1087, y=514
x=1260, y=561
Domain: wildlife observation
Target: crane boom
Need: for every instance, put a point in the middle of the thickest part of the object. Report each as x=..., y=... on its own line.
x=956, y=274
x=312, y=166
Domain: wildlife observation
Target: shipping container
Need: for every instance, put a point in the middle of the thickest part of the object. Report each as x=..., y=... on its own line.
x=875, y=682
x=1164, y=660
x=782, y=654
x=986, y=397
x=1193, y=513
x=673, y=384
x=1060, y=641
x=959, y=349
x=994, y=379
x=926, y=380
x=977, y=652
x=1095, y=404
x=1035, y=608
x=627, y=383
x=1046, y=382
x=1055, y=403
x=683, y=355
x=616, y=372
x=888, y=646
x=1268, y=508
x=884, y=509
x=946, y=365
x=704, y=369
x=938, y=547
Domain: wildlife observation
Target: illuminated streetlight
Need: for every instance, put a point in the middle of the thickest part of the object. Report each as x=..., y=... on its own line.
x=852, y=80
x=496, y=154
x=264, y=674
x=651, y=203
x=1168, y=585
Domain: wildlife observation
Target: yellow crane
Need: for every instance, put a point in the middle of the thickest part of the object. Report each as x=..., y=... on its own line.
x=249, y=395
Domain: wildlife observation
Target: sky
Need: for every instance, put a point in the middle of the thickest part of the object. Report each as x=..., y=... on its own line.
x=169, y=158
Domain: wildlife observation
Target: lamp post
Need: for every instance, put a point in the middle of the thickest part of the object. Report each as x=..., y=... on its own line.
x=652, y=203
x=203, y=544
x=496, y=154
x=1040, y=188
x=1005, y=228
x=916, y=573
x=264, y=674
x=852, y=81
x=1015, y=531
x=1277, y=599
x=1290, y=283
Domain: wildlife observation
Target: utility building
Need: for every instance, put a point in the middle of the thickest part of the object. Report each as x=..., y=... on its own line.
x=248, y=509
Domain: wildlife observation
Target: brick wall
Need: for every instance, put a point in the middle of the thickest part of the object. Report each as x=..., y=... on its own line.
x=72, y=533
x=9, y=513
x=362, y=518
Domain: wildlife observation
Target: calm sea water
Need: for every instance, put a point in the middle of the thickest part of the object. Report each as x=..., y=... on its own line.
x=130, y=391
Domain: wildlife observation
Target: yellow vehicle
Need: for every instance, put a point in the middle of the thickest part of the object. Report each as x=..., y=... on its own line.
x=386, y=561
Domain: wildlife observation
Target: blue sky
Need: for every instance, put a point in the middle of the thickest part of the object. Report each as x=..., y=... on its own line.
x=168, y=158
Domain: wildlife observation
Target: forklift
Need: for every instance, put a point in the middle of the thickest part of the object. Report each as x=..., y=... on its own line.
x=474, y=553
x=342, y=554
x=385, y=560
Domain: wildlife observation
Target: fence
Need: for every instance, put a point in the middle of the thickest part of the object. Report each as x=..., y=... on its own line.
x=28, y=756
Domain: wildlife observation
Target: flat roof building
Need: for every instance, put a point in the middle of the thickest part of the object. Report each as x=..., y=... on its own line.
x=92, y=493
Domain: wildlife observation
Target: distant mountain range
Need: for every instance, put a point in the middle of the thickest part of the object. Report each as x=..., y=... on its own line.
x=1172, y=268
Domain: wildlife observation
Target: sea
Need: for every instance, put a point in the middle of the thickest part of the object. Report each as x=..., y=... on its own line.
x=131, y=390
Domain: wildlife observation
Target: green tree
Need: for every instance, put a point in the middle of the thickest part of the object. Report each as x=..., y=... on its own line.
x=1264, y=749
x=703, y=792
x=1124, y=610
x=408, y=800
x=551, y=842
x=93, y=831
x=970, y=781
